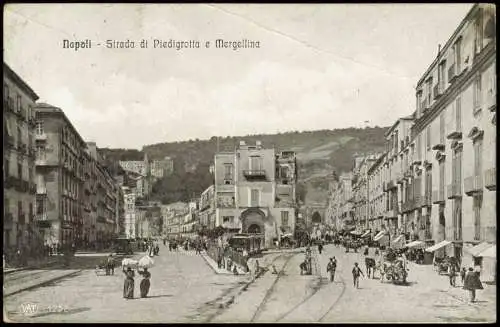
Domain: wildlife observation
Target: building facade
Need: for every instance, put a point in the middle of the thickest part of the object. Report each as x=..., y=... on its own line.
x=438, y=174
x=161, y=168
x=19, y=99
x=455, y=129
x=255, y=191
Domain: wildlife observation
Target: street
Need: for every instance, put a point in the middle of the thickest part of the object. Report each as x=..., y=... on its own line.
x=185, y=289
x=181, y=284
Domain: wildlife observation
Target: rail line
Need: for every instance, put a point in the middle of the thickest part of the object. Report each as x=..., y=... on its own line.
x=298, y=305
x=270, y=291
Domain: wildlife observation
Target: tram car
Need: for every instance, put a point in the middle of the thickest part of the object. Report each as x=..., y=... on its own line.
x=252, y=243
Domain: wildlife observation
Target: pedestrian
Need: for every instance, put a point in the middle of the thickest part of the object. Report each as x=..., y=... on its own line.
x=452, y=273
x=356, y=272
x=235, y=270
x=472, y=283
x=303, y=267
x=331, y=267
x=145, y=283
x=257, y=268
x=462, y=275
x=110, y=265
x=320, y=247
x=128, y=285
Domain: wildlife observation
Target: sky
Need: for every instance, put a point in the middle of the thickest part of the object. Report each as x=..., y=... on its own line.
x=319, y=66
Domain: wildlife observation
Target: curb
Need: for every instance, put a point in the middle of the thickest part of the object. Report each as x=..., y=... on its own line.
x=13, y=270
x=216, y=270
x=43, y=283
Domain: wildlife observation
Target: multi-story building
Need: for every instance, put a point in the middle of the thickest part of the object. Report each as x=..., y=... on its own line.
x=161, y=168
x=340, y=208
x=60, y=177
x=189, y=224
x=106, y=197
x=455, y=122
x=376, y=195
x=360, y=189
x=206, y=207
x=129, y=199
x=142, y=170
x=19, y=162
x=397, y=138
x=173, y=216
x=254, y=191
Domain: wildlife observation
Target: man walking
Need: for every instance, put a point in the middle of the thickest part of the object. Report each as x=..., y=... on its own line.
x=331, y=267
x=356, y=272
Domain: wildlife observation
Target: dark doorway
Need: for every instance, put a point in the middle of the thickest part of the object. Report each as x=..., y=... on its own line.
x=254, y=229
x=316, y=217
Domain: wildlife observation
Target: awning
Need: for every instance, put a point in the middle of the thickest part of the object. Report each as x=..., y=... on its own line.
x=476, y=250
x=379, y=236
x=437, y=246
x=398, y=239
x=356, y=233
x=287, y=235
x=366, y=233
x=415, y=244
x=490, y=252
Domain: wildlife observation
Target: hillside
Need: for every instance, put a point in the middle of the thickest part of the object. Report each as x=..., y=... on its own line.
x=319, y=153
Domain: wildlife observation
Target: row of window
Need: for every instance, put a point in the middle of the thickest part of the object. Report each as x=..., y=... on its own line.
x=20, y=212
x=21, y=169
x=26, y=111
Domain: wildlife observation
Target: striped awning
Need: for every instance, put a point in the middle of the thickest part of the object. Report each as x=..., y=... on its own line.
x=437, y=246
x=366, y=233
x=379, y=236
x=478, y=249
x=415, y=244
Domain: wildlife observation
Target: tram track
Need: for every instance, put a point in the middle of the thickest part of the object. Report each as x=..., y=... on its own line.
x=221, y=309
x=270, y=291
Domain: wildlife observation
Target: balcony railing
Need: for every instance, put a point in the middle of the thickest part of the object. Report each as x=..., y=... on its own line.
x=254, y=173
x=439, y=145
x=42, y=216
x=473, y=185
x=454, y=191
x=40, y=136
x=490, y=179
x=438, y=196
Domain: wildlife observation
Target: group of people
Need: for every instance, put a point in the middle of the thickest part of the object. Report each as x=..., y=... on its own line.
x=129, y=283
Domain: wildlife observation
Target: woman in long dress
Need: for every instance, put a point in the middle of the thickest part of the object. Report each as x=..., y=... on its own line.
x=128, y=285
x=472, y=283
x=145, y=284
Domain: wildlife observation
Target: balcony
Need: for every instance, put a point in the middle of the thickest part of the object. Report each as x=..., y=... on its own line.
x=40, y=136
x=455, y=135
x=490, y=179
x=437, y=91
x=439, y=146
x=454, y=191
x=41, y=161
x=418, y=201
x=451, y=74
x=438, y=197
x=41, y=216
x=254, y=174
x=473, y=185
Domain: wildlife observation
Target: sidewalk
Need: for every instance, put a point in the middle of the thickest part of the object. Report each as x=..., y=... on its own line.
x=34, y=263
x=218, y=270
x=486, y=298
